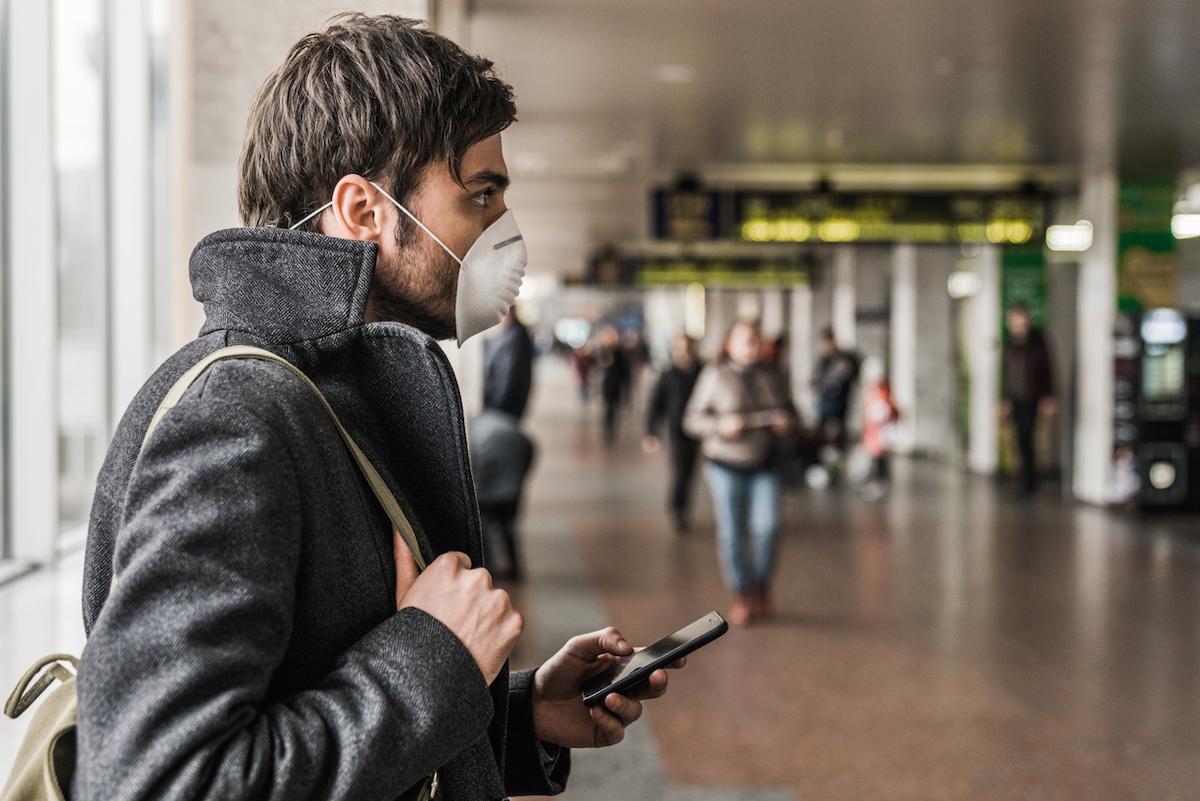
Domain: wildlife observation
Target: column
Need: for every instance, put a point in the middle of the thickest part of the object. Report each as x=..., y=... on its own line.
x=800, y=351
x=31, y=303
x=844, y=303
x=984, y=361
x=1096, y=308
x=903, y=355
x=1096, y=298
x=772, y=320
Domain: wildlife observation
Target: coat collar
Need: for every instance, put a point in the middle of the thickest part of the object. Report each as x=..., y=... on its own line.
x=284, y=286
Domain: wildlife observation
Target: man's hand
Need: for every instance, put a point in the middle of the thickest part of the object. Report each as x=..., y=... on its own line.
x=781, y=424
x=465, y=601
x=559, y=715
x=651, y=444
x=730, y=426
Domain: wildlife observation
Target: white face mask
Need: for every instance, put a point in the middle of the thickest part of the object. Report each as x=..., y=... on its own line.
x=490, y=274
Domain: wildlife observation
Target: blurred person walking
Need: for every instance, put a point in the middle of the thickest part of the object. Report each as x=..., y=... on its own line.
x=1028, y=387
x=582, y=362
x=665, y=411
x=879, y=416
x=508, y=367
x=259, y=621
x=616, y=376
x=739, y=409
x=833, y=379
x=501, y=454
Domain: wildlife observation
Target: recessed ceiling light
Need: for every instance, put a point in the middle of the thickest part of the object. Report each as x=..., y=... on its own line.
x=674, y=73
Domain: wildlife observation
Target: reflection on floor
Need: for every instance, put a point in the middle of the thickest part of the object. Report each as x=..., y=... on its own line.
x=945, y=642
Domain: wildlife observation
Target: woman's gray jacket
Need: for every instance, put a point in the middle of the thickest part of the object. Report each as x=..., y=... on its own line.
x=251, y=647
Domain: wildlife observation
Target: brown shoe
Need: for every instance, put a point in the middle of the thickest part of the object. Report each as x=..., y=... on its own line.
x=740, y=613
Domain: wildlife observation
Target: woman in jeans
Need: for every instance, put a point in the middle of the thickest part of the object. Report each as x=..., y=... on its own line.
x=740, y=407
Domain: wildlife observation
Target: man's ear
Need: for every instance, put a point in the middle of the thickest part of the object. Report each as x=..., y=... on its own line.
x=359, y=211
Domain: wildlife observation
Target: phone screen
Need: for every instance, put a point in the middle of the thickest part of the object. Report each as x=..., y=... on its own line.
x=658, y=650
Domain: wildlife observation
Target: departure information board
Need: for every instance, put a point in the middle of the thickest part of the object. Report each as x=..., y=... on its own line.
x=1015, y=218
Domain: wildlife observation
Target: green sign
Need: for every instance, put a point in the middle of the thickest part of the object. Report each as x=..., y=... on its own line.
x=1147, y=264
x=1023, y=282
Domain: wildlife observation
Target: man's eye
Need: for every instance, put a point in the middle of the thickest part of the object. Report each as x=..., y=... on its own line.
x=483, y=197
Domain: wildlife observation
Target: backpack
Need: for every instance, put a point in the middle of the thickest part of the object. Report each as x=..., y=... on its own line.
x=45, y=762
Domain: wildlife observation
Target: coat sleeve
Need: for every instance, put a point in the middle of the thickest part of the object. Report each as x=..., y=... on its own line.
x=173, y=684
x=699, y=418
x=532, y=767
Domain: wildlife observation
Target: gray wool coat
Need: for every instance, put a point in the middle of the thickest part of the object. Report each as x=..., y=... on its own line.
x=251, y=647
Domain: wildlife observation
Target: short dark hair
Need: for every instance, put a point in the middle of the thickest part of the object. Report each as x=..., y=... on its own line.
x=377, y=96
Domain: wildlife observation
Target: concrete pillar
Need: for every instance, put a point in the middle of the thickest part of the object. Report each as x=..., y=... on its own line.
x=186, y=313
x=31, y=334
x=904, y=343
x=664, y=310
x=1096, y=311
x=984, y=360
x=773, y=323
x=749, y=305
x=452, y=19
x=844, y=303
x=720, y=313
x=800, y=351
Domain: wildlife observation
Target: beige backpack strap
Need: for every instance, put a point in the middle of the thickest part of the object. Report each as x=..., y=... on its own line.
x=23, y=695
x=386, y=499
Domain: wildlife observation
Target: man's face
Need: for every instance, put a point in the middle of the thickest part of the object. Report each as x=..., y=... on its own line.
x=681, y=352
x=415, y=280
x=1018, y=324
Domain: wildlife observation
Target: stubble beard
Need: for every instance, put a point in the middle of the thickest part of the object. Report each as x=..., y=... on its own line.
x=418, y=286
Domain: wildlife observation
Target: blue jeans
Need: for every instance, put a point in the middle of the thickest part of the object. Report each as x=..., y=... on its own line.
x=746, y=502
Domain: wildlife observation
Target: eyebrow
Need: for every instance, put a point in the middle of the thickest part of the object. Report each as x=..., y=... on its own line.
x=482, y=177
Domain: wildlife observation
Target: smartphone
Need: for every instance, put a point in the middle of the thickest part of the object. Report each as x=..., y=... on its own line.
x=633, y=670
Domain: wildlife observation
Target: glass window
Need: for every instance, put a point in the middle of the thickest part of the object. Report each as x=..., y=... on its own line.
x=78, y=76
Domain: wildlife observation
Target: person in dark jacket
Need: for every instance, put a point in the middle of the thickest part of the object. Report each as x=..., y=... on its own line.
x=833, y=379
x=1028, y=387
x=616, y=377
x=256, y=627
x=665, y=411
x=501, y=456
x=508, y=367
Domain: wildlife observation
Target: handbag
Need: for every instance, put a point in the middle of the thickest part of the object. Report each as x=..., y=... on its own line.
x=45, y=762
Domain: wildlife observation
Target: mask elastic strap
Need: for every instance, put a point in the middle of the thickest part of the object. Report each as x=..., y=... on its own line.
x=309, y=217
x=412, y=217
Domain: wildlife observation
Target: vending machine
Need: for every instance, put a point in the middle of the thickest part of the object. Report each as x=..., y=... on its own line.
x=1168, y=410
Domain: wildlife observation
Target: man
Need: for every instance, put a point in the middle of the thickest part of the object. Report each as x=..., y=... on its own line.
x=256, y=627
x=616, y=377
x=508, y=367
x=667, y=403
x=833, y=379
x=1028, y=386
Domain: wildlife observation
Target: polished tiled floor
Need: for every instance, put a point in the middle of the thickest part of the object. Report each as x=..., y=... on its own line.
x=945, y=642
